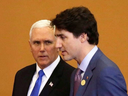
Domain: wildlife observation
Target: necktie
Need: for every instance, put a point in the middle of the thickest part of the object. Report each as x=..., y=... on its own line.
x=36, y=88
x=77, y=80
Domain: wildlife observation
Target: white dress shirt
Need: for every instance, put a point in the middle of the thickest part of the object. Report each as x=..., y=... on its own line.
x=47, y=71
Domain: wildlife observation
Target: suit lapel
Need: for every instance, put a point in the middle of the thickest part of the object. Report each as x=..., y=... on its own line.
x=88, y=74
x=72, y=82
x=28, y=77
x=84, y=82
x=53, y=80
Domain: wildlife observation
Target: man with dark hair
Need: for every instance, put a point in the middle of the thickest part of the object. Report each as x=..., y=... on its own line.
x=77, y=38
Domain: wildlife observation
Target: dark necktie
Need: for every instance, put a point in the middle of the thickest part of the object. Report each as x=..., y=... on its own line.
x=77, y=80
x=36, y=88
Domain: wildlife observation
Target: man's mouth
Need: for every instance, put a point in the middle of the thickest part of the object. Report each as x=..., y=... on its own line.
x=63, y=52
x=43, y=57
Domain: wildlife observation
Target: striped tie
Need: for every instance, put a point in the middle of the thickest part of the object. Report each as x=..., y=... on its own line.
x=77, y=80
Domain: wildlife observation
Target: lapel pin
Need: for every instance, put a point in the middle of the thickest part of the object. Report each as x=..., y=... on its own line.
x=51, y=84
x=87, y=77
x=83, y=82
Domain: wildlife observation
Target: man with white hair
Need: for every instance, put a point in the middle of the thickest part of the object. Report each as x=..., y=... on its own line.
x=55, y=73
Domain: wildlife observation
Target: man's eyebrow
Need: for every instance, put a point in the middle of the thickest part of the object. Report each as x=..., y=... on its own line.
x=48, y=40
x=36, y=41
x=58, y=35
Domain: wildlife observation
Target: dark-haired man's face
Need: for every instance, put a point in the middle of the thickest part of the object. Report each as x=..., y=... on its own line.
x=67, y=44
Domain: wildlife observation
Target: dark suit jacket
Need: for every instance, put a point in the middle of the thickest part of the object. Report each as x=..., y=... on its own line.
x=103, y=78
x=60, y=79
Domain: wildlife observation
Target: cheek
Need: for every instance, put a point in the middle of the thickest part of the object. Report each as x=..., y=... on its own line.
x=34, y=51
x=49, y=49
x=33, y=48
x=52, y=51
x=72, y=47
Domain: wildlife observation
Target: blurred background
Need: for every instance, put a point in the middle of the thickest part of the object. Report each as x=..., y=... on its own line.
x=17, y=16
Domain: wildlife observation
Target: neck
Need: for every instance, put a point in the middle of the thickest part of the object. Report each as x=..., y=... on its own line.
x=83, y=53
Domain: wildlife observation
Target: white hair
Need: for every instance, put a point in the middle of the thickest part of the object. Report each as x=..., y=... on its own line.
x=40, y=24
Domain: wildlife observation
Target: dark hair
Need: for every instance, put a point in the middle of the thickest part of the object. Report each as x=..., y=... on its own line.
x=78, y=20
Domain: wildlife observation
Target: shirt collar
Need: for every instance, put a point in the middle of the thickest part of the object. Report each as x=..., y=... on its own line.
x=48, y=70
x=84, y=64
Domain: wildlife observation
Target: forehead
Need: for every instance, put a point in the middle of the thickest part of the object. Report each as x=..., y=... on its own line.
x=42, y=33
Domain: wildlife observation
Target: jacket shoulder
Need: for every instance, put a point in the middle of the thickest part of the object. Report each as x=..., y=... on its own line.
x=26, y=69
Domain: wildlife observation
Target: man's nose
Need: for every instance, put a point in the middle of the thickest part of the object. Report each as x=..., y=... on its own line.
x=58, y=43
x=42, y=47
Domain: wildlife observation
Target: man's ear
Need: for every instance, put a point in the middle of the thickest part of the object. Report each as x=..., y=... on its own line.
x=83, y=37
x=30, y=45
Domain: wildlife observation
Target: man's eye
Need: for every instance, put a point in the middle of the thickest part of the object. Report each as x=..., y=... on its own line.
x=36, y=42
x=48, y=42
x=62, y=37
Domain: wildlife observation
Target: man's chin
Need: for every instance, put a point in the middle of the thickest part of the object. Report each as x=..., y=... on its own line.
x=66, y=58
x=43, y=65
